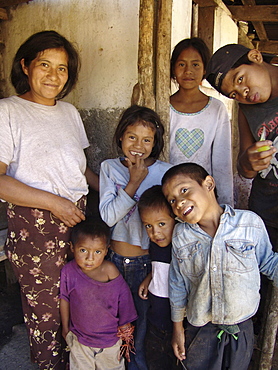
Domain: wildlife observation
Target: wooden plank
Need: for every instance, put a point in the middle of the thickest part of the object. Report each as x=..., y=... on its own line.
x=260, y=30
x=268, y=46
x=263, y=13
x=3, y=14
x=258, y=25
x=206, y=25
x=163, y=46
x=5, y=3
x=143, y=91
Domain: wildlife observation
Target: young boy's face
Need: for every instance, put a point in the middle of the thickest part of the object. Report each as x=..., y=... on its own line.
x=89, y=253
x=189, y=200
x=248, y=84
x=159, y=225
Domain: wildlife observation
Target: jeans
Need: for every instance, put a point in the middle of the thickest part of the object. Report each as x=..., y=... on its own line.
x=204, y=351
x=134, y=271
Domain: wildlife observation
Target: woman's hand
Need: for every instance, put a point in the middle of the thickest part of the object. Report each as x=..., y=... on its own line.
x=66, y=211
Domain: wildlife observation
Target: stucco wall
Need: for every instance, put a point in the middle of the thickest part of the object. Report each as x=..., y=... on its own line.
x=106, y=34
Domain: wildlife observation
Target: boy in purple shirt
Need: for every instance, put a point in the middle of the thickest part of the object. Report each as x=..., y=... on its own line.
x=95, y=301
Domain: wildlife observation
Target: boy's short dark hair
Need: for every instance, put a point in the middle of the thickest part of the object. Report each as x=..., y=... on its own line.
x=148, y=117
x=226, y=58
x=192, y=170
x=30, y=49
x=154, y=198
x=196, y=43
x=92, y=227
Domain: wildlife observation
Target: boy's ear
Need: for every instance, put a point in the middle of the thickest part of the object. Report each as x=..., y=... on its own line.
x=255, y=56
x=71, y=246
x=209, y=183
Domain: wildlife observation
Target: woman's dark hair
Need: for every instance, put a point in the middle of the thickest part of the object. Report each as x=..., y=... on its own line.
x=30, y=49
x=147, y=117
x=194, y=42
x=192, y=170
x=92, y=227
x=154, y=199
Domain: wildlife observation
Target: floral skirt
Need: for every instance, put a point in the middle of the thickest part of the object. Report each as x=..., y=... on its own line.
x=37, y=246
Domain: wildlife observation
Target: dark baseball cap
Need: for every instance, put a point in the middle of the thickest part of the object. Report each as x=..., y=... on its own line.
x=223, y=60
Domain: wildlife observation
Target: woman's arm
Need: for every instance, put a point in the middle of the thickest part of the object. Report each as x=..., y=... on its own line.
x=65, y=316
x=250, y=161
x=14, y=191
x=92, y=179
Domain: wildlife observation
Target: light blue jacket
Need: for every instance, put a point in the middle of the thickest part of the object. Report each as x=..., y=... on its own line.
x=117, y=208
x=218, y=279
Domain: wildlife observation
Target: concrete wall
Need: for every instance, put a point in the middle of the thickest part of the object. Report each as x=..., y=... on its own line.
x=106, y=34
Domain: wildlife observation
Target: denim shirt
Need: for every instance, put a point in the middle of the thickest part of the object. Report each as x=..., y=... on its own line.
x=217, y=279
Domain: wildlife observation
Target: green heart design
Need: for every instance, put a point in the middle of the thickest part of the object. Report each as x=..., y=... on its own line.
x=189, y=142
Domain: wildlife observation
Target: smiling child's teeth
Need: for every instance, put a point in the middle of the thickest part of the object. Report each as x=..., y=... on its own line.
x=136, y=153
x=187, y=210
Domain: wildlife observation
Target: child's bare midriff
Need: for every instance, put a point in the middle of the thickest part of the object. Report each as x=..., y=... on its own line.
x=126, y=249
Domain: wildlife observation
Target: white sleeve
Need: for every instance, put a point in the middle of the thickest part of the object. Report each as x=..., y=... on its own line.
x=221, y=157
x=6, y=136
x=114, y=203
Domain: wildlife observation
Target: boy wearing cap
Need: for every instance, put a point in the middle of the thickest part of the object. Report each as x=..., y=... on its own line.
x=247, y=76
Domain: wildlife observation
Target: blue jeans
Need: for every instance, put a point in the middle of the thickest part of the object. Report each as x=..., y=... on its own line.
x=204, y=351
x=134, y=271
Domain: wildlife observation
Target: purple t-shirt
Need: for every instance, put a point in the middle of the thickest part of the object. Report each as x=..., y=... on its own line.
x=96, y=308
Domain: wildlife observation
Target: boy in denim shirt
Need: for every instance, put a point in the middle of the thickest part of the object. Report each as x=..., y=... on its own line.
x=214, y=278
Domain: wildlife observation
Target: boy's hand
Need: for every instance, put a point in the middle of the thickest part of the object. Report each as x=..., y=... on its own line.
x=143, y=288
x=253, y=159
x=178, y=340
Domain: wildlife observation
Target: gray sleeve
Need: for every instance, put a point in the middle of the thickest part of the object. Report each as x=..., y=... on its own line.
x=115, y=203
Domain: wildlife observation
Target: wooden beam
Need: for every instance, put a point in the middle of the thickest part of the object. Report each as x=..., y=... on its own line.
x=3, y=14
x=206, y=25
x=5, y=3
x=263, y=13
x=143, y=91
x=268, y=46
x=258, y=25
x=163, y=54
x=260, y=30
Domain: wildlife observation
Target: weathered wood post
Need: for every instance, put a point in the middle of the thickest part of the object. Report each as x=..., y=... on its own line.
x=144, y=90
x=154, y=50
x=163, y=53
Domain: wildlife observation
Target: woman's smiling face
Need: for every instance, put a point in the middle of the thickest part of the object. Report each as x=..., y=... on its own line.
x=47, y=76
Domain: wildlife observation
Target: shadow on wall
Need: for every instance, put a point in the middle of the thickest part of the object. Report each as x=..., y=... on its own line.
x=100, y=125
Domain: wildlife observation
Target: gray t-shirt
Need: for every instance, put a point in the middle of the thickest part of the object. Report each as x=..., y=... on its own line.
x=43, y=146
